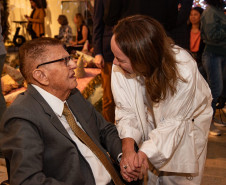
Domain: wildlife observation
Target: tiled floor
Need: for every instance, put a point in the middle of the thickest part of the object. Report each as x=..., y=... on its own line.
x=215, y=168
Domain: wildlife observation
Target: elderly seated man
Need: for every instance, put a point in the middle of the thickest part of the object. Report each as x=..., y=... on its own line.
x=51, y=134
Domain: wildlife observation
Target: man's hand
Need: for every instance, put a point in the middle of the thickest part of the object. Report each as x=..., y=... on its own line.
x=99, y=61
x=129, y=162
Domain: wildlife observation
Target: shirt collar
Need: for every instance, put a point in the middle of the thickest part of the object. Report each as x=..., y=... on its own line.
x=55, y=103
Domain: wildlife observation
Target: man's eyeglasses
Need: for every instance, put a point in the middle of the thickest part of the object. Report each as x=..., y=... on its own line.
x=65, y=59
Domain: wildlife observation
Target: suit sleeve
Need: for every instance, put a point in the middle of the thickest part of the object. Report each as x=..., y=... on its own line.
x=22, y=145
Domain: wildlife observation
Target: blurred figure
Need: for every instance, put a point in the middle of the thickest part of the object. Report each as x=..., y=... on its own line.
x=83, y=32
x=88, y=15
x=196, y=43
x=36, y=19
x=2, y=60
x=164, y=11
x=103, y=21
x=180, y=33
x=65, y=31
x=213, y=33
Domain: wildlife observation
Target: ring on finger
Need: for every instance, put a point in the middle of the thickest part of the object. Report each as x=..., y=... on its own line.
x=125, y=166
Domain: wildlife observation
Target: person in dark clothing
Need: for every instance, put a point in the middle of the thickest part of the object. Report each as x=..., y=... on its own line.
x=2, y=61
x=196, y=44
x=180, y=33
x=82, y=33
x=164, y=11
x=213, y=33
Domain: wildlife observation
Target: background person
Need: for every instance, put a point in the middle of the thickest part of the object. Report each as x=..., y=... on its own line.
x=2, y=61
x=163, y=104
x=195, y=41
x=213, y=33
x=36, y=19
x=82, y=33
x=38, y=139
x=106, y=15
x=65, y=31
x=88, y=16
x=180, y=33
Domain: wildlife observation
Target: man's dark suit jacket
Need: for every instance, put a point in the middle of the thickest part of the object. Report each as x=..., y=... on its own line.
x=40, y=150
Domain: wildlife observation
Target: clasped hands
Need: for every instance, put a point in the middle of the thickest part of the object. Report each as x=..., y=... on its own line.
x=134, y=165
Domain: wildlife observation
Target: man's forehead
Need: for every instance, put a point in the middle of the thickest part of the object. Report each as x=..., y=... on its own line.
x=54, y=51
x=60, y=48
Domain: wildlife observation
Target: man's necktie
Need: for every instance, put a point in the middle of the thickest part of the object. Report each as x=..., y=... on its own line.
x=91, y=145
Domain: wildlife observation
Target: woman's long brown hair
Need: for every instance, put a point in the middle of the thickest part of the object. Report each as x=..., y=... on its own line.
x=144, y=41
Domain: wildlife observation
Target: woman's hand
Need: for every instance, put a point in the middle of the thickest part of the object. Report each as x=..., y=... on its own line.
x=73, y=43
x=143, y=163
x=99, y=61
x=26, y=16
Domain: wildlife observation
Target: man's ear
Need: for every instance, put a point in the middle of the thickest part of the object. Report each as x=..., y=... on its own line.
x=40, y=76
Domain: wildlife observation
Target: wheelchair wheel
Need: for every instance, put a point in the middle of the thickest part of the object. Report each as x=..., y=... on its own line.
x=19, y=40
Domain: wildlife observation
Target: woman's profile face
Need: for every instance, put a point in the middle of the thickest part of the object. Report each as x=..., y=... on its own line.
x=194, y=17
x=75, y=20
x=121, y=59
x=59, y=21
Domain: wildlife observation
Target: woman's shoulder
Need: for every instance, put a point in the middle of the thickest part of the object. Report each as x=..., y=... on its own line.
x=181, y=54
x=185, y=62
x=66, y=26
x=40, y=11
